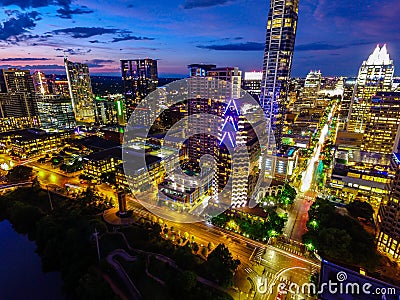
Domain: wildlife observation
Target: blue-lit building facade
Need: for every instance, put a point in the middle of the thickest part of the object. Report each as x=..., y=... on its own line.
x=278, y=55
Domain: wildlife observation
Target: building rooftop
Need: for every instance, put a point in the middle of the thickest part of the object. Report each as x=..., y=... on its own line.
x=96, y=143
x=380, y=56
x=115, y=152
x=28, y=134
x=134, y=157
x=255, y=211
x=358, y=158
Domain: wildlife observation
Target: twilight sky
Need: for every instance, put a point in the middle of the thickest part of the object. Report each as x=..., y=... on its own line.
x=333, y=36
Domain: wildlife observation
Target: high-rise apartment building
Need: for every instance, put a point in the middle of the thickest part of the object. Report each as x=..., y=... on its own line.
x=200, y=70
x=375, y=74
x=348, y=90
x=80, y=90
x=312, y=86
x=313, y=80
x=228, y=74
x=40, y=83
x=252, y=83
x=382, y=124
x=278, y=55
x=388, y=237
x=233, y=133
x=55, y=112
x=140, y=78
x=203, y=143
x=304, y=94
x=58, y=86
x=18, y=96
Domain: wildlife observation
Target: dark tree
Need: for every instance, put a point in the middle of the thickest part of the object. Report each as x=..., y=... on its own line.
x=19, y=174
x=195, y=247
x=221, y=265
x=182, y=285
x=157, y=228
x=360, y=209
x=339, y=237
x=36, y=184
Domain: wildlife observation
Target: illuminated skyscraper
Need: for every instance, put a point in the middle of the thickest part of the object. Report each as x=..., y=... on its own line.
x=203, y=143
x=312, y=86
x=348, y=90
x=58, y=86
x=252, y=83
x=56, y=112
x=234, y=133
x=80, y=89
x=375, y=74
x=18, y=95
x=140, y=78
x=383, y=120
x=40, y=83
x=200, y=70
x=278, y=55
x=109, y=110
x=388, y=237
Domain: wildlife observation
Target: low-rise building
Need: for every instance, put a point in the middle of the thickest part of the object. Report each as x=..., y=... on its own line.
x=30, y=142
x=281, y=166
x=98, y=163
x=360, y=175
x=353, y=281
x=18, y=123
x=184, y=194
x=138, y=179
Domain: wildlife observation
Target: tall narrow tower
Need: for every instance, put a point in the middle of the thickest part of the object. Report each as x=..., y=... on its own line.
x=140, y=78
x=278, y=55
x=80, y=89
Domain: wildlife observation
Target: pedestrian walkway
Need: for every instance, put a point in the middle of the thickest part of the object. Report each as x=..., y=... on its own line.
x=257, y=254
x=289, y=248
x=248, y=270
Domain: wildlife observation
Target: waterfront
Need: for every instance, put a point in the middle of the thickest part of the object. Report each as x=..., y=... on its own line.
x=21, y=275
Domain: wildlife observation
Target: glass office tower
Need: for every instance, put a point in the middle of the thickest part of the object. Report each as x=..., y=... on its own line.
x=278, y=55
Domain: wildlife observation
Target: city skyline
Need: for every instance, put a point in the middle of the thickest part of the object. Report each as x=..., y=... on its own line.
x=270, y=166
x=36, y=36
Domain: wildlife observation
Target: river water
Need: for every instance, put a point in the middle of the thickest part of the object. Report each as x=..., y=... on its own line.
x=21, y=276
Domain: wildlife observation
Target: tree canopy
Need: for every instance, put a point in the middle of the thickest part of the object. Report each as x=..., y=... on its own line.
x=360, y=209
x=221, y=265
x=339, y=237
x=19, y=173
